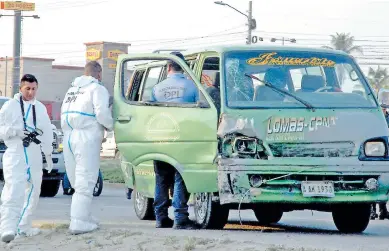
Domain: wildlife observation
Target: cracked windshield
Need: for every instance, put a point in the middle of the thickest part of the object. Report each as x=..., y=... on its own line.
x=322, y=79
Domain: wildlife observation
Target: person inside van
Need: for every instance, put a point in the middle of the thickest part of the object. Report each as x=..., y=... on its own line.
x=178, y=89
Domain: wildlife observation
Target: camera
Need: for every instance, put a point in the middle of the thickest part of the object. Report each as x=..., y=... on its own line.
x=32, y=138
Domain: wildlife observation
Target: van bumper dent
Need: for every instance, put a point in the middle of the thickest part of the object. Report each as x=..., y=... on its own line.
x=282, y=184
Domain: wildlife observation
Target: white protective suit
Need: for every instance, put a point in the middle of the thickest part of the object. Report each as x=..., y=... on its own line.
x=84, y=117
x=22, y=166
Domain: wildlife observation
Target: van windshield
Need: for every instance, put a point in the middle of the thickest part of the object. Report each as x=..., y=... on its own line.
x=324, y=80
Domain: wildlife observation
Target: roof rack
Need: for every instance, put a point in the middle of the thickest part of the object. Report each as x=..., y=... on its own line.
x=158, y=51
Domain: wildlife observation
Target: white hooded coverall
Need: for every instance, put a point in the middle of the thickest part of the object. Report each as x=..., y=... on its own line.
x=84, y=117
x=22, y=166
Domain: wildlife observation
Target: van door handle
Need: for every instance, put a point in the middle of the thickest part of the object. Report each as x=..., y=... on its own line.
x=124, y=118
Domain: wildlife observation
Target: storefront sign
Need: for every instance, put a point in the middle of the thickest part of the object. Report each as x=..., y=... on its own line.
x=93, y=54
x=114, y=54
x=22, y=6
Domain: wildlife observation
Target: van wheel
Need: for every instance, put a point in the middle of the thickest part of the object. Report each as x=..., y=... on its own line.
x=49, y=188
x=99, y=185
x=351, y=218
x=209, y=214
x=143, y=207
x=268, y=214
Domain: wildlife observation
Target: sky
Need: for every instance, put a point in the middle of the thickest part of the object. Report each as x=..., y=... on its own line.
x=65, y=25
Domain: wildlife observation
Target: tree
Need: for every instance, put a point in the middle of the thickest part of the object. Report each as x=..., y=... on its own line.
x=344, y=42
x=378, y=78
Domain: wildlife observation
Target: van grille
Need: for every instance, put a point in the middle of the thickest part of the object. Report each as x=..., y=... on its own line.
x=332, y=149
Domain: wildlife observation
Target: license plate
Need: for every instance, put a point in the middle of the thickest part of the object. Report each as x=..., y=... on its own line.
x=318, y=189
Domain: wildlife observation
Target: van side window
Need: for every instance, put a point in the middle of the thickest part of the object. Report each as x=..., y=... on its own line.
x=152, y=78
x=210, y=79
x=176, y=90
x=134, y=85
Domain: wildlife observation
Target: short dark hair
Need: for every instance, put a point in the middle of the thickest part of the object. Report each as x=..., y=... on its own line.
x=29, y=78
x=175, y=66
x=92, y=68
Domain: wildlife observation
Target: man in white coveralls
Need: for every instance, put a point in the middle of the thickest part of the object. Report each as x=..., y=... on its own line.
x=26, y=130
x=85, y=115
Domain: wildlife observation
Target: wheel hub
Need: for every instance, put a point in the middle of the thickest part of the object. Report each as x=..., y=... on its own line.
x=201, y=202
x=140, y=201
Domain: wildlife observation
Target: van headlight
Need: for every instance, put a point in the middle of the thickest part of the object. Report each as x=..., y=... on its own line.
x=375, y=149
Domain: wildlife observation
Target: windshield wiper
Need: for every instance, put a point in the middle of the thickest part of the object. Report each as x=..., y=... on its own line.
x=308, y=105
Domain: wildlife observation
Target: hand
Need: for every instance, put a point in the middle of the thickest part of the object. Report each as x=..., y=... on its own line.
x=22, y=133
x=49, y=162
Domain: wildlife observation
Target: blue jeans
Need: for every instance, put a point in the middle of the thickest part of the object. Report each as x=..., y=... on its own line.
x=165, y=177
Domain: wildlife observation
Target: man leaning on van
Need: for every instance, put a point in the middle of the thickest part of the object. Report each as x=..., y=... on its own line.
x=177, y=89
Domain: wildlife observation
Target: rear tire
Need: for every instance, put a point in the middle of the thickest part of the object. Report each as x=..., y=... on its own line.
x=351, y=218
x=143, y=206
x=49, y=188
x=99, y=185
x=266, y=214
x=209, y=214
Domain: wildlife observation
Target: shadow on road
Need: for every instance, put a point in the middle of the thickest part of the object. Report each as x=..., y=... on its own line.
x=255, y=226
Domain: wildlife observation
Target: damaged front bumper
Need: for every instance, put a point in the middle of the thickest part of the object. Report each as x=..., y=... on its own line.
x=282, y=183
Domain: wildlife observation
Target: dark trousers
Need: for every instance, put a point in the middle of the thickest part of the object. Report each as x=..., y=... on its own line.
x=165, y=177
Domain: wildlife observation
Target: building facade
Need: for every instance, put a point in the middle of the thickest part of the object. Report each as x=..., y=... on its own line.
x=54, y=80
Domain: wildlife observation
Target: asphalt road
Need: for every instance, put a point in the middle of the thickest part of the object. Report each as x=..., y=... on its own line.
x=296, y=229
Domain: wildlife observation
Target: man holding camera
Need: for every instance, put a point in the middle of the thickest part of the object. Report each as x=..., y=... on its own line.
x=26, y=137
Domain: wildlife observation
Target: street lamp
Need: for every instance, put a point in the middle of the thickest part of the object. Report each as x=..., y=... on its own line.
x=251, y=23
x=283, y=39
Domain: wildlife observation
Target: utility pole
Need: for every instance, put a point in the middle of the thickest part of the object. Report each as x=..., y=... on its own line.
x=16, y=50
x=17, y=7
x=6, y=76
x=251, y=23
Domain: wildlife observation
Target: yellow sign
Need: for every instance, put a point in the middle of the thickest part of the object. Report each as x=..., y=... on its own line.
x=114, y=54
x=271, y=59
x=112, y=66
x=22, y=6
x=93, y=54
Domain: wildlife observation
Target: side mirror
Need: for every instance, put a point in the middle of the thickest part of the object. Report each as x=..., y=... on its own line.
x=104, y=140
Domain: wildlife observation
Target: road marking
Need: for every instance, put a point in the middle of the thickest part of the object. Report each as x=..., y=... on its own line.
x=251, y=227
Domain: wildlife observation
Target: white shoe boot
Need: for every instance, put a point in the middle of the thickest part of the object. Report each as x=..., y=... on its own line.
x=8, y=236
x=30, y=232
x=81, y=227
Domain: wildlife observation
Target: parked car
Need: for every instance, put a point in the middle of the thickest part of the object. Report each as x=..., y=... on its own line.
x=50, y=181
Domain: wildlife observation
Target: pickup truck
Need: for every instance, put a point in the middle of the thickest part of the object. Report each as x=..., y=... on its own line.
x=50, y=181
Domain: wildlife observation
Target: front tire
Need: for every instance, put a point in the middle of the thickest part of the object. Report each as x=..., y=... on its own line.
x=209, y=214
x=351, y=218
x=268, y=214
x=50, y=188
x=143, y=206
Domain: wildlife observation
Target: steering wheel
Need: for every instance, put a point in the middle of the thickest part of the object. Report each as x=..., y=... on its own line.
x=326, y=88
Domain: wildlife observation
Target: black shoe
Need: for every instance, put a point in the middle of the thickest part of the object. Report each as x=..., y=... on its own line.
x=384, y=214
x=68, y=191
x=164, y=223
x=187, y=224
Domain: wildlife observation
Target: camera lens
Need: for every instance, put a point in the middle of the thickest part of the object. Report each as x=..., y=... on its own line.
x=26, y=143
